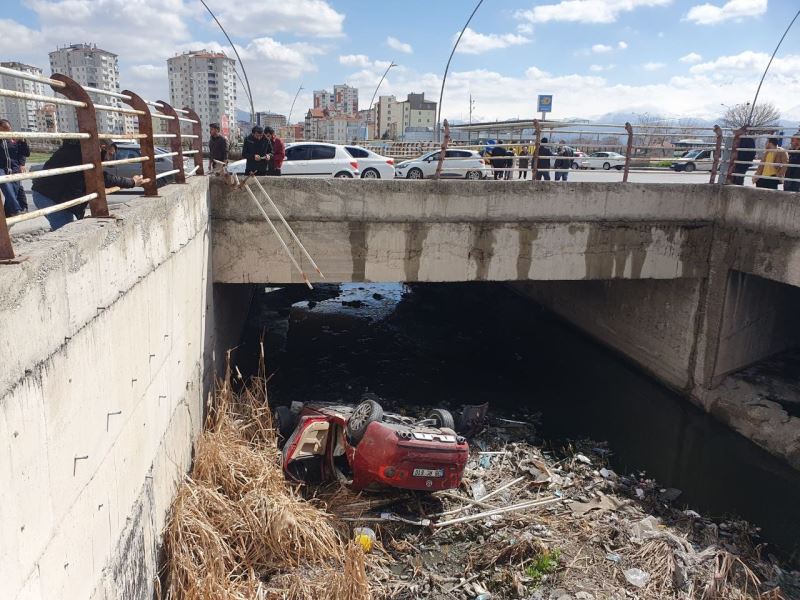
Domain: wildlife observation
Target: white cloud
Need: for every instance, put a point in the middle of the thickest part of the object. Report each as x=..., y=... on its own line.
x=751, y=63
x=601, y=48
x=600, y=68
x=622, y=45
x=711, y=14
x=396, y=44
x=525, y=29
x=691, y=58
x=355, y=60
x=473, y=42
x=15, y=37
x=585, y=11
x=301, y=17
x=653, y=66
x=152, y=72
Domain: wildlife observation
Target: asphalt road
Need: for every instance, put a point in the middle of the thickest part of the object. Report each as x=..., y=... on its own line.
x=35, y=225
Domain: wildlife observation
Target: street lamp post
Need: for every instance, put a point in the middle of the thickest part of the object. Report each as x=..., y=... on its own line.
x=447, y=67
x=375, y=93
x=291, y=108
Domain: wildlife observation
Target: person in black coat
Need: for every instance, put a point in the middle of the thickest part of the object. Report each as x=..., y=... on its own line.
x=543, y=164
x=744, y=157
x=12, y=160
x=49, y=191
x=256, y=149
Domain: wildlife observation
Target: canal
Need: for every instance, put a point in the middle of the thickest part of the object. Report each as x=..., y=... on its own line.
x=453, y=344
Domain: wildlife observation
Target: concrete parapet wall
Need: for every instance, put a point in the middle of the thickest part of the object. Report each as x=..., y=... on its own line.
x=107, y=332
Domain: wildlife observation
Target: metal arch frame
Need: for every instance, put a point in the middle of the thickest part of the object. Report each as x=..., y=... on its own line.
x=145, y=144
x=176, y=143
x=197, y=142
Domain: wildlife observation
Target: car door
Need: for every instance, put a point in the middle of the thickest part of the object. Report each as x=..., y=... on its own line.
x=705, y=160
x=456, y=163
x=296, y=160
x=128, y=170
x=429, y=164
x=305, y=450
x=595, y=160
x=322, y=162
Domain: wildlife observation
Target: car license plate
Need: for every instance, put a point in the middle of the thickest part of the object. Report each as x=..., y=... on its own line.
x=428, y=472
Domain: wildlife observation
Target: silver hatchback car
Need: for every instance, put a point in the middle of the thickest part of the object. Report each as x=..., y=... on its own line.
x=132, y=150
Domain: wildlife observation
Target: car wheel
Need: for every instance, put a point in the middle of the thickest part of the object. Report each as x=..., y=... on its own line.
x=443, y=418
x=370, y=174
x=606, y=166
x=343, y=175
x=689, y=167
x=285, y=423
x=415, y=174
x=365, y=413
x=619, y=167
x=574, y=165
x=473, y=175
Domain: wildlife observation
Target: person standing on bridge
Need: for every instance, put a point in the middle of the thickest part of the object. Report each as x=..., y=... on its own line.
x=524, y=159
x=255, y=150
x=217, y=147
x=771, y=170
x=278, y=152
x=543, y=164
x=12, y=161
x=564, y=162
x=793, y=172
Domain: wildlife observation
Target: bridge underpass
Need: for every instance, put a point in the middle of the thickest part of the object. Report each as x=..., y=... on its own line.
x=102, y=391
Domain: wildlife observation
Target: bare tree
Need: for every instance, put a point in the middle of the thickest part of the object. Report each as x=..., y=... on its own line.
x=765, y=114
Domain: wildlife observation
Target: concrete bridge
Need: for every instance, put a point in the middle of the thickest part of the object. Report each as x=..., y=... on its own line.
x=112, y=329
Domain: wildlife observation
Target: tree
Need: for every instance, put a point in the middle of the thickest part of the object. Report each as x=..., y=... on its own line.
x=765, y=114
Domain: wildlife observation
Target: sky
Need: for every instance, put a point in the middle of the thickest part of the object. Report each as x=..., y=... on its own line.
x=672, y=58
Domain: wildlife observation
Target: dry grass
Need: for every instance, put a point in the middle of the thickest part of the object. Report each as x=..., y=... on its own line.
x=237, y=530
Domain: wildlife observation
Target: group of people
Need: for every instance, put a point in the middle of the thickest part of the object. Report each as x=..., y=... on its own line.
x=13, y=156
x=263, y=150
x=502, y=160
x=777, y=166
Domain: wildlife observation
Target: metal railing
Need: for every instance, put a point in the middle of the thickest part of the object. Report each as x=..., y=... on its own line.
x=74, y=95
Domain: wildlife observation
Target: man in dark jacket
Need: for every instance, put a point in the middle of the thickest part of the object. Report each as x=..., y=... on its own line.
x=255, y=150
x=564, y=162
x=217, y=147
x=793, y=172
x=743, y=155
x=12, y=160
x=543, y=164
x=49, y=191
x=497, y=152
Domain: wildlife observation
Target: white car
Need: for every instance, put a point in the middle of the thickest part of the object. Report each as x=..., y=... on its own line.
x=694, y=160
x=312, y=159
x=464, y=164
x=371, y=164
x=603, y=160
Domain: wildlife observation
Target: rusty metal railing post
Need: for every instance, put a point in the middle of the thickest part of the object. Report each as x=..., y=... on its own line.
x=145, y=144
x=737, y=136
x=443, y=151
x=197, y=143
x=90, y=148
x=174, y=128
x=6, y=249
x=535, y=158
x=628, y=151
x=717, y=153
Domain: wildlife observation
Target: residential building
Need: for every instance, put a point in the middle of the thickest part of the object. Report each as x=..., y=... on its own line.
x=270, y=119
x=343, y=100
x=89, y=66
x=395, y=117
x=206, y=82
x=311, y=128
x=21, y=113
x=323, y=100
x=47, y=118
x=292, y=133
x=367, y=119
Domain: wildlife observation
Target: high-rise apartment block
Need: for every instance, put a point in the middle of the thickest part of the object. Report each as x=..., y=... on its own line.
x=395, y=117
x=90, y=66
x=343, y=100
x=206, y=82
x=21, y=113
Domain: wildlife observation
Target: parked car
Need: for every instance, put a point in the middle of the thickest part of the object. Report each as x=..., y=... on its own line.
x=371, y=164
x=368, y=449
x=577, y=155
x=694, y=160
x=128, y=149
x=603, y=160
x=312, y=159
x=464, y=164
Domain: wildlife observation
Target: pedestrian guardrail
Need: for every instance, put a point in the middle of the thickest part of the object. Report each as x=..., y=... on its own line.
x=72, y=94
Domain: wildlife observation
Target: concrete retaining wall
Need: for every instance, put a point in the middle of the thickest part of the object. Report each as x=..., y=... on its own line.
x=108, y=327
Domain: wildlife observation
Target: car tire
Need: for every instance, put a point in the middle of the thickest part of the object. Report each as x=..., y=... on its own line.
x=473, y=175
x=619, y=167
x=285, y=423
x=370, y=174
x=689, y=168
x=343, y=175
x=415, y=174
x=443, y=418
x=606, y=166
x=365, y=413
x=574, y=165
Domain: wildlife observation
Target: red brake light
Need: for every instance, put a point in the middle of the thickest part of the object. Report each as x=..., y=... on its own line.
x=390, y=161
x=354, y=164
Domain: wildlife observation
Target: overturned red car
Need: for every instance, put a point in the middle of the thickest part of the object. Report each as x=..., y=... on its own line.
x=368, y=449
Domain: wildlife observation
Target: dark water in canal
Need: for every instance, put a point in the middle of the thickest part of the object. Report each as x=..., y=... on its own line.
x=454, y=344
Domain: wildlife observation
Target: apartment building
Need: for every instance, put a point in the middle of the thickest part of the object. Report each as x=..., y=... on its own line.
x=206, y=82
x=394, y=117
x=21, y=113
